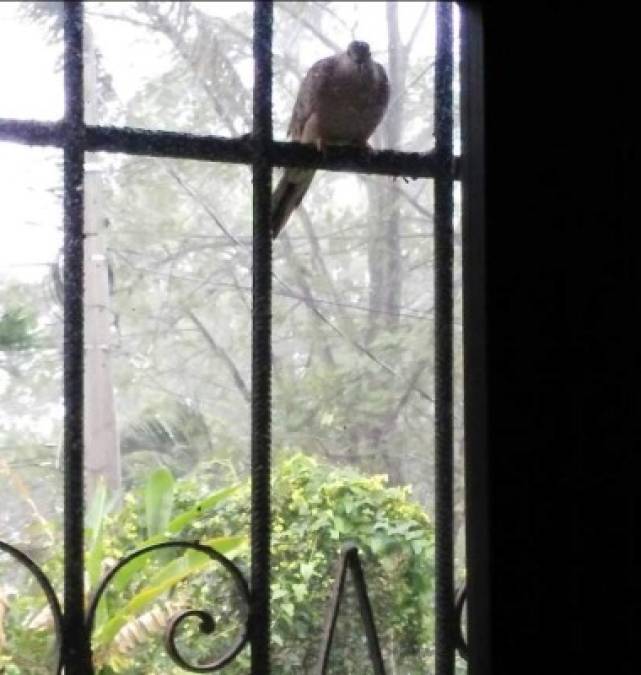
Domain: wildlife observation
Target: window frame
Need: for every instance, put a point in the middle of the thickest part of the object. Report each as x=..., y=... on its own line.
x=261, y=151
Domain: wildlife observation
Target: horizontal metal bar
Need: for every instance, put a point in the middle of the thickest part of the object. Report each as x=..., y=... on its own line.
x=233, y=150
x=30, y=132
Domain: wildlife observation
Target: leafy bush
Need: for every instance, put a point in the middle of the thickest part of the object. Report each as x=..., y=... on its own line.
x=317, y=508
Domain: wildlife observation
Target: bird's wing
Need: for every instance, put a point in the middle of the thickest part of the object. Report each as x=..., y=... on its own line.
x=380, y=100
x=295, y=182
x=317, y=95
x=311, y=90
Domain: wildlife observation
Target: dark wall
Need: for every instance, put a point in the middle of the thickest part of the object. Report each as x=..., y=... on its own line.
x=562, y=281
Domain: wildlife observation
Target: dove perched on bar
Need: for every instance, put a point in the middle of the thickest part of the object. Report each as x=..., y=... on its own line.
x=341, y=101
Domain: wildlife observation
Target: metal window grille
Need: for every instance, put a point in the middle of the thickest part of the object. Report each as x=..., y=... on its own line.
x=73, y=626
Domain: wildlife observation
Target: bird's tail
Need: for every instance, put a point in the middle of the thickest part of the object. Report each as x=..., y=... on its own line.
x=288, y=195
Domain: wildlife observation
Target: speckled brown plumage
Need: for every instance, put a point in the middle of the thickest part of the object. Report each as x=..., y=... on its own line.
x=341, y=100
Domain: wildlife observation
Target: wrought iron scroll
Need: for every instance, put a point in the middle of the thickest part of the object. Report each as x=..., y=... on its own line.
x=207, y=622
x=50, y=594
x=349, y=561
x=459, y=607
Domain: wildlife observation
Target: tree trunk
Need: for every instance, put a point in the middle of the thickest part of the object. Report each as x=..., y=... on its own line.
x=102, y=451
x=384, y=254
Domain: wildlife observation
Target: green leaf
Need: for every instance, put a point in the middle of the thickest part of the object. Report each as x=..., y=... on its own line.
x=193, y=561
x=174, y=527
x=288, y=608
x=300, y=591
x=122, y=579
x=340, y=524
x=307, y=571
x=96, y=513
x=17, y=328
x=189, y=516
x=278, y=592
x=97, y=509
x=159, y=501
x=166, y=578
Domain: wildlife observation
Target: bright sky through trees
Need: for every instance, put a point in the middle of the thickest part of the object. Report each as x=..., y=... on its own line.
x=31, y=88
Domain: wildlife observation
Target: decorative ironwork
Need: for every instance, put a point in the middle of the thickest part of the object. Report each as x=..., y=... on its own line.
x=207, y=622
x=259, y=149
x=350, y=561
x=460, y=603
x=50, y=594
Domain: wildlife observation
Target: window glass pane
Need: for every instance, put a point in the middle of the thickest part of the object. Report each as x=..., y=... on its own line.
x=174, y=66
x=354, y=349
x=178, y=242
x=172, y=327
x=30, y=396
x=168, y=331
x=401, y=37
x=353, y=412
x=31, y=54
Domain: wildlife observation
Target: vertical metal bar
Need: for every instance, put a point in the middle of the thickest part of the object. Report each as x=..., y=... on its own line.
x=444, y=254
x=76, y=650
x=261, y=339
x=479, y=628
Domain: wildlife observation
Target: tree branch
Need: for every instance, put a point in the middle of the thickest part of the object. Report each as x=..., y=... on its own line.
x=328, y=42
x=224, y=356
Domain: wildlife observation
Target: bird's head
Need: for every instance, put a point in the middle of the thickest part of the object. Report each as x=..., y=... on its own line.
x=359, y=52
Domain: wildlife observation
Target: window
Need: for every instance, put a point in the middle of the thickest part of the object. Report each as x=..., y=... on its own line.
x=264, y=282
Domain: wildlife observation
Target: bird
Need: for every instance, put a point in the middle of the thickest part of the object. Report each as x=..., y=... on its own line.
x=341, y=101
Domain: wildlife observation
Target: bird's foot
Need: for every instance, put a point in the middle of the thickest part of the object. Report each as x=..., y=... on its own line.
x=363, y=145
x=321, y=146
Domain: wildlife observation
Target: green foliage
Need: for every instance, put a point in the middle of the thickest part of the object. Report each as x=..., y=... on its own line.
x=151, y=581
x=17, y=329
x=140, y=590
x=176, y=436
x=159, y=497
x=316, y=509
